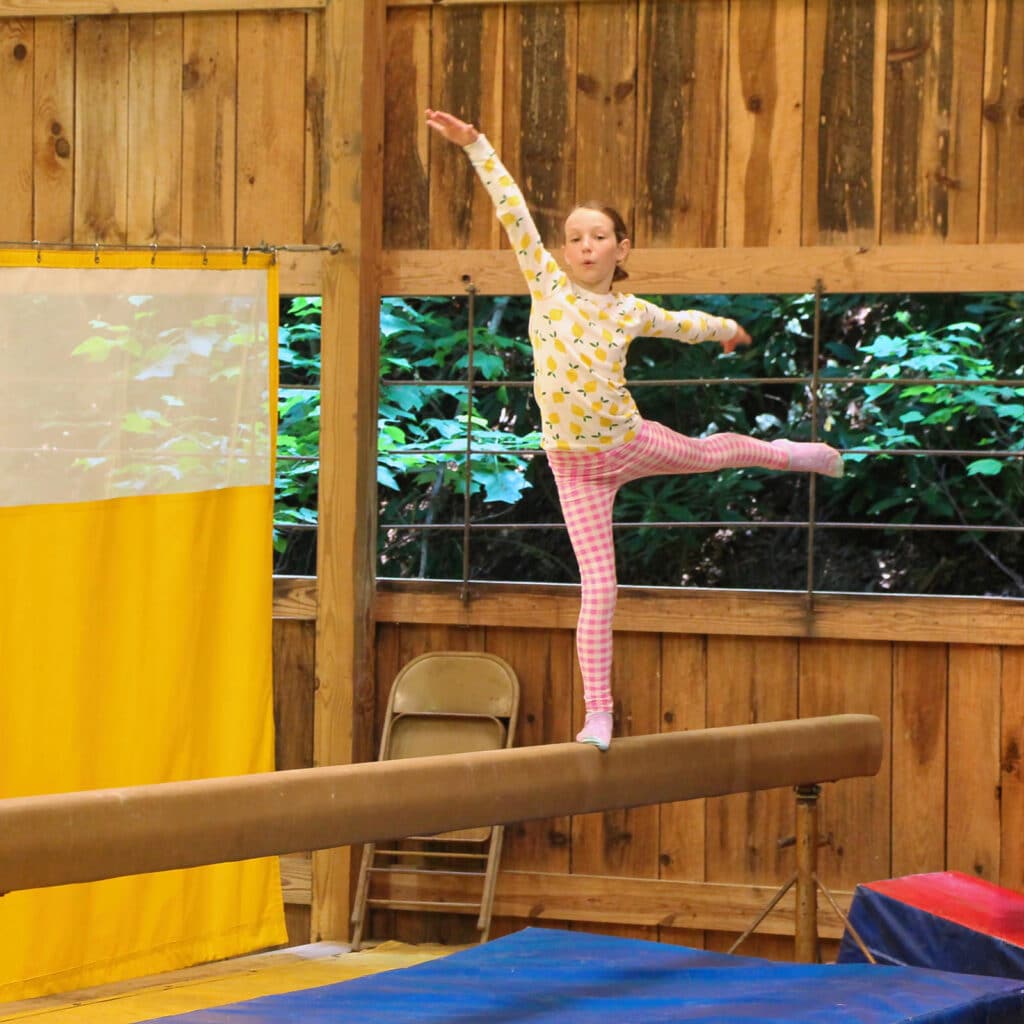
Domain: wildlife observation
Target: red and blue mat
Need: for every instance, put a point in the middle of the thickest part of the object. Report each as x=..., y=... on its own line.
x=539, y=975
x=945, y=920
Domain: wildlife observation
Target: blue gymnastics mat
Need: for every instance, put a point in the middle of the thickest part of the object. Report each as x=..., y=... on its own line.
x=543, y=975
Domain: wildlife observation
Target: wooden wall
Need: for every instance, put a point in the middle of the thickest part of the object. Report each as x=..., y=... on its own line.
x=175, y=129
x=709, y=123
x=776, y=135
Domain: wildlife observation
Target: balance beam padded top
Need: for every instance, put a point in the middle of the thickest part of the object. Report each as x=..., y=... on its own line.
x=80, y=837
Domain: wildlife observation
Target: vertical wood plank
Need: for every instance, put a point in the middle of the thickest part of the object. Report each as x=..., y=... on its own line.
x=17, y=67
x=932, y=124
x=681, y=836
x=1002, y=153
x=919, y=723
x=542, y=660
x=154, y=129
x=625, y=842
x=406, y=145
x=606, y=105
x=842, y=122
x=538, y=144
x=1011, y=861
x=469, y=84
x=209, y=80
x=766, y=82
x=839, y=677
x=750, y=681
x=681, y=115
x=53, y=149
x=270, y=186
x=313, y=226
x=101, y=128
x=294, y=677
x=972, y=823
x=353, y=140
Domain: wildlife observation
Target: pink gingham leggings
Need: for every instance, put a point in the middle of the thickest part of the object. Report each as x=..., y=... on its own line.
x=587, y=483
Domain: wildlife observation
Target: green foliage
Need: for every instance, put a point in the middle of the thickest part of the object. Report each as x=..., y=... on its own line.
x=425, y=424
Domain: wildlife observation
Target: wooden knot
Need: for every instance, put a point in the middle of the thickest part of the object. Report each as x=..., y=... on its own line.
x=754, y=104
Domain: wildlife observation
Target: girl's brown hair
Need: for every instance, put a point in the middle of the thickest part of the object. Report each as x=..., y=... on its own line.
x=618, y=223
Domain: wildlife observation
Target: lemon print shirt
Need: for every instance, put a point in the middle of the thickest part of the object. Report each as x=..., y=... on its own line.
x=580, y=339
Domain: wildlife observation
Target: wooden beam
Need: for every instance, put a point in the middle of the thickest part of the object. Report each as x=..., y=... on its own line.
x=65, y=838
x=895, y=268
x=964, y=620
x=532, y=896
x=90, y=8
x=686, y=611
x=353, y=40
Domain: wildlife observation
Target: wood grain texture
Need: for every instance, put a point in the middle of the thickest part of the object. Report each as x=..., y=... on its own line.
x=294, y=652
x=84, y=8
x=543, y=663
x=406, y=142
x=842, y=123
x=1011, y=789
x=919, y=727
x=353, y=43
x=750, y=681
x=1002, y=144
x=921, y=268
x=537, y=897
x=684, y=696
x=540, y=106
x=932, y=120
x=468, y=83
x=973, y=766
x=209, y=117
x=837, y=677
x=53, y=132
x=727, y=613
x=765, y=119
x=313, y=188
x=681, y=121
x=17, y=67
x=606, y=106
x=270, y=189
x=101, y=129
x=154, y=129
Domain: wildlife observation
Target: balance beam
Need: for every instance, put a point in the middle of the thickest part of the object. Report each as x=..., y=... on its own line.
x=105, y=833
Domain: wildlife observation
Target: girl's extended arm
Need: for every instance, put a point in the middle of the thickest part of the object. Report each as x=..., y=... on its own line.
x=542, y=273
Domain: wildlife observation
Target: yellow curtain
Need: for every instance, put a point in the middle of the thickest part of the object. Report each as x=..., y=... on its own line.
x=135, y=640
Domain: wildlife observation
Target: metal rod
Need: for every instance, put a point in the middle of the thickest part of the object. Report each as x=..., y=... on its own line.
x=812, y=487
x=806, y=939
x=468, y=468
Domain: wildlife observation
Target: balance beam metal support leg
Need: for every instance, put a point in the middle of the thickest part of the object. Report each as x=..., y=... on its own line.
x=59, y=839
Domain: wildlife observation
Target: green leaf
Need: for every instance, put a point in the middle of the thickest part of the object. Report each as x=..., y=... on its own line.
x=985, y=467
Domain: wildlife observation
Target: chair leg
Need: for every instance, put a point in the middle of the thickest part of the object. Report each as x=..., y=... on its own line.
x=490, y=882
x=362, y=891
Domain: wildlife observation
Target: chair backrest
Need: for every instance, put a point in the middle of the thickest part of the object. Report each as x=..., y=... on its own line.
x=450, y=702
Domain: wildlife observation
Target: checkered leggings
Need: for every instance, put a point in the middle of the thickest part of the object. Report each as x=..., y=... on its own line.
x=587, y=484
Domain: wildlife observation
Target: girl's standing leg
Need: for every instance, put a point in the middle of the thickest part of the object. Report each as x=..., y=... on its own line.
x=586, y=490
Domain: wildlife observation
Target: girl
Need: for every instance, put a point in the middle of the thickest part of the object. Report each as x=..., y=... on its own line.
x=595, y=439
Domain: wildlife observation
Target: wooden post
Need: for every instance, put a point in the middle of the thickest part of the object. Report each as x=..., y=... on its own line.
x=353, y=144
x=806, y=944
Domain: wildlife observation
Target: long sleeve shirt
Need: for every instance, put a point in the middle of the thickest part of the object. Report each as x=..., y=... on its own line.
x=580, y=339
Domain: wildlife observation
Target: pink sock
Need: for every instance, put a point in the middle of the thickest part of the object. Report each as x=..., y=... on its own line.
x=597, y=729
x=812, y=458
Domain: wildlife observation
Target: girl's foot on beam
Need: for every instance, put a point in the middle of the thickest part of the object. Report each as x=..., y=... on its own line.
x=812, y=457
x=597, y=730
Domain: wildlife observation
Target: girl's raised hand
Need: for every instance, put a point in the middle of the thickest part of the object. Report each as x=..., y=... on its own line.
x=739, y=338
x=454, y=130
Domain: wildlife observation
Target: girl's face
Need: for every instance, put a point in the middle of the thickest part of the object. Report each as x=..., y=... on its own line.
x=591, y=249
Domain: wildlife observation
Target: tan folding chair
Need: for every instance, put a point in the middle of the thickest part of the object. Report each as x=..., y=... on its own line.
x=449, y=702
